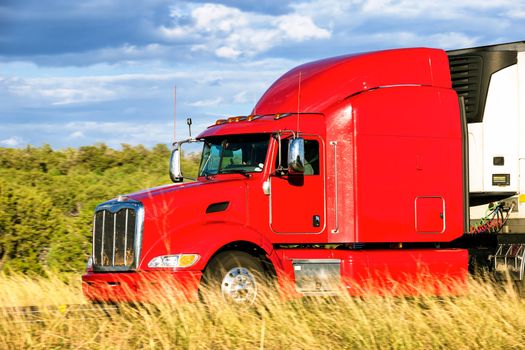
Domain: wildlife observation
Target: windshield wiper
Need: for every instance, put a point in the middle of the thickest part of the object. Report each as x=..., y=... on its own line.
x=235, y=171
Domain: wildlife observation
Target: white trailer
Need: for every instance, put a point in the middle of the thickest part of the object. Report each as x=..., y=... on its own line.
x=491, y=82
x=491, y=79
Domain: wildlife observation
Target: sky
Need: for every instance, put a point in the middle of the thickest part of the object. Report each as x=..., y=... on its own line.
x=81, y=72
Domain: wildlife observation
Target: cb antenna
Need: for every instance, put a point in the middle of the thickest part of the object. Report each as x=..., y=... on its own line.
x=174, y=113
x=299, y=100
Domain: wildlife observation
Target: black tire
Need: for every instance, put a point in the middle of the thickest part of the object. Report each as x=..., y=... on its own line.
x=235, y=277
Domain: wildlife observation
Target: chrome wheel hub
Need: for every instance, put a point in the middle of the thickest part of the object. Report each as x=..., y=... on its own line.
x=239, y=286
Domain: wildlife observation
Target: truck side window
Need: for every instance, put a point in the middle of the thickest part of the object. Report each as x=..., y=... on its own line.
x=311, y=156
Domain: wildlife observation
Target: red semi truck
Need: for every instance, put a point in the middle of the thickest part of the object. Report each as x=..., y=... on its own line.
x=351, y=171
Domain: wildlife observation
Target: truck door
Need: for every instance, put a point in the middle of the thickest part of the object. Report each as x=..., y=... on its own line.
x=297, y=202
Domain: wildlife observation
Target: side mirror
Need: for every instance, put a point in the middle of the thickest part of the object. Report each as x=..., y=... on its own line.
x=175, y=172
x=296, y=156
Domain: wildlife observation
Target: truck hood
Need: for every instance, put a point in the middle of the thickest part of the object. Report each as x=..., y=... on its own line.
x=193, y=198
x=162, y=190
x=173, y=214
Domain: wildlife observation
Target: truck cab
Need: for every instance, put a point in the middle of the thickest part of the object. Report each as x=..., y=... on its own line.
x=349, y=174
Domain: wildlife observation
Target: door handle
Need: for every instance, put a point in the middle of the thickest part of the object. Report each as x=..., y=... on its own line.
x=316, y=221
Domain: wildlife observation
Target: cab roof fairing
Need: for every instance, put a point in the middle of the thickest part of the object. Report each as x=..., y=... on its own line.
x=329, y=81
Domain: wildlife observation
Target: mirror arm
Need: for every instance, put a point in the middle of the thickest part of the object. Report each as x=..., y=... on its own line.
x=279, y=148
x=281, y=171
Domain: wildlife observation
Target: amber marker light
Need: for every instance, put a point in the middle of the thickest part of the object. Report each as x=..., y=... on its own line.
x=187, y=260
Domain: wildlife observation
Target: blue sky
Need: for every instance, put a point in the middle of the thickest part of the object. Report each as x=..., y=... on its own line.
x=78, y=72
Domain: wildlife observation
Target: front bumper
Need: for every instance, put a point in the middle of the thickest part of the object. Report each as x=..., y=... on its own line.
x=158, y=286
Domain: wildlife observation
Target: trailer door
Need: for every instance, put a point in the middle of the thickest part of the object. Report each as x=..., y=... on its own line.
x=297, y=202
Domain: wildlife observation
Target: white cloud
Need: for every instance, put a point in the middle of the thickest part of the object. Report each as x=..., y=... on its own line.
x=77, y=135
x=208, y=86
x=241, y=97
x=175, y=32
x=117, y=133
x=206, y=103
x=447, y=40
x=85, y=89
x=516, y=12
x=227, y=52
x=230, y=33
x=131, y=79
x=14, y=141
x=112, y=133
x=356, y=10
x=212, y=17
x=300, y=28
x=452, y=40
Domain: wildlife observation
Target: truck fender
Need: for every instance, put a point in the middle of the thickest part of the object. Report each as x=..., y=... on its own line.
x=206, y=241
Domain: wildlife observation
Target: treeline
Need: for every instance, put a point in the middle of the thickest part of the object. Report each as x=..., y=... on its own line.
x=47, y=198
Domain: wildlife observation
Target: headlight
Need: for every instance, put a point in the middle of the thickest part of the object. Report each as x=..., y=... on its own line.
x=173, y=261
x=89, y=264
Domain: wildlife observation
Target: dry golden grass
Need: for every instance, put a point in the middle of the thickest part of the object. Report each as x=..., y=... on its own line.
x=487, y=317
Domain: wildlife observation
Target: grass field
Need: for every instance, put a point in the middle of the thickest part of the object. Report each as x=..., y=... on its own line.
x=487, y=317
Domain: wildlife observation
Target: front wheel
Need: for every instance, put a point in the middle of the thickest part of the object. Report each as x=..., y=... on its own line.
x=237, y=277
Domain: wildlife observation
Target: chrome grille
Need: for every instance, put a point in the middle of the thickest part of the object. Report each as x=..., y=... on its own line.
x=117, y=230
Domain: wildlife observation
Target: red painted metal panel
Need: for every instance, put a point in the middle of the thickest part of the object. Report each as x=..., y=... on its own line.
x=329, y=81
x=340, y=179
x=142, y=287
x=392, y=272
x=407, y=145
x=296, y=199
x=294, y=203
x=430, y=214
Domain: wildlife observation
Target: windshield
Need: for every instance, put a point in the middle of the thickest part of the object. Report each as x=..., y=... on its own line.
x=234, y=154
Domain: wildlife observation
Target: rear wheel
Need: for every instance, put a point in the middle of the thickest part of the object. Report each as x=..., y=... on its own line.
x=236, y=277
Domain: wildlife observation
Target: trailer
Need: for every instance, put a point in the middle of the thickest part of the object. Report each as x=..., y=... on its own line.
x=491, y=80
x=361, y=173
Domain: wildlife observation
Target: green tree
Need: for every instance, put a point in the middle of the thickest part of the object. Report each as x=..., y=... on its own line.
x=47, y=198
x=28, y=221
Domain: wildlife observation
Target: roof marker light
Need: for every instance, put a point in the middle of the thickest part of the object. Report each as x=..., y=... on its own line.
x=236, y=119
x=281, y=115
x=254, y=117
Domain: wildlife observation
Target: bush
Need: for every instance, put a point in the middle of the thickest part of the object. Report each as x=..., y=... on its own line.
x=47, y=199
